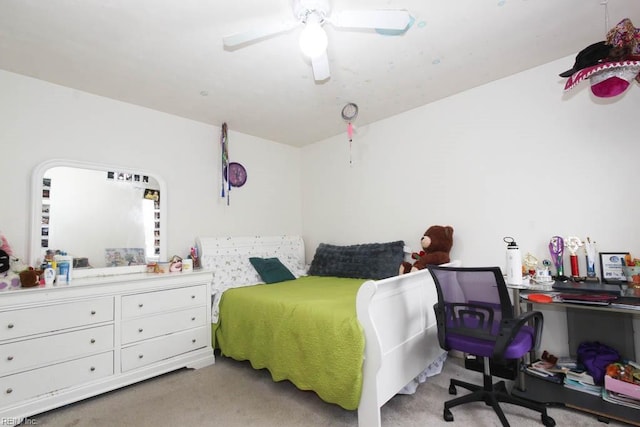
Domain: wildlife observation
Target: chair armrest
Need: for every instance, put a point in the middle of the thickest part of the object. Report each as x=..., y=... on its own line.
x=509, y=328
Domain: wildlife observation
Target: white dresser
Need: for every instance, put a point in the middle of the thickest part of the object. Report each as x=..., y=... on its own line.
x=62, y=344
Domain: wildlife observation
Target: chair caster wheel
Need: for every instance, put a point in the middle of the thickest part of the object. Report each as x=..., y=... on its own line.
x=548, y=421
x=452, y=390
x=447, y=415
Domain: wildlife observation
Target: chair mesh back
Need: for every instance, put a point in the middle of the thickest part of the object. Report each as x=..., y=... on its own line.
x=473, y=299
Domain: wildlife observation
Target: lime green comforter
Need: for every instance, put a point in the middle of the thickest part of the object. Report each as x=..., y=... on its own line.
x=305, y=331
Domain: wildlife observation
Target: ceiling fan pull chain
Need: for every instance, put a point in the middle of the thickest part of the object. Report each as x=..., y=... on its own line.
x=350, y=134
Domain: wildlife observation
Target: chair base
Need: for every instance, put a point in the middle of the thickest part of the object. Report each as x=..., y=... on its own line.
x=492, y=394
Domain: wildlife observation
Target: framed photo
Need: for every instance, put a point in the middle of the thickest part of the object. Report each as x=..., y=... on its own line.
x=611, y=267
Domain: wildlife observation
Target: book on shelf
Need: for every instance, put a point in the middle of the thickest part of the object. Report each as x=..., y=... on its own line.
x=620, y=399
x=580, y=376
x=566, y=362
x=544, y=370
x=595, y=390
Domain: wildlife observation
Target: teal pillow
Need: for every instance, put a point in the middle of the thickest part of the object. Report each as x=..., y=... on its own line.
x=271, y=270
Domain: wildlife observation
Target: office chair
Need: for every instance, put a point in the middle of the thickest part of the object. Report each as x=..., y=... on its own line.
x=474, y=315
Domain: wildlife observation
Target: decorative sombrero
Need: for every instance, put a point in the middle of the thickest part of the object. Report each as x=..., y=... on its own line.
x=608, y=78
x=610, y=65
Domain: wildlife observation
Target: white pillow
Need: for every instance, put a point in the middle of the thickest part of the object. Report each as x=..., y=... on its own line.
x=232, y=270
x=293, y=263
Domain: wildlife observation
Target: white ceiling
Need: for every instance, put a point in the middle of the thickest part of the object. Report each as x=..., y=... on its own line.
x=168, y=55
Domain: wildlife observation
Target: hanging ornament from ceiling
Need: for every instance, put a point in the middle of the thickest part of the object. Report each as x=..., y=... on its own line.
x=349, y=114
x=610, y=65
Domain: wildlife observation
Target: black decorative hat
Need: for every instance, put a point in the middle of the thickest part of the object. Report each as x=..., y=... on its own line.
x=589, y=56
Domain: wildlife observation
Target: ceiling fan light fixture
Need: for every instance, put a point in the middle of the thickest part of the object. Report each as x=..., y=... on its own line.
x=313, y=39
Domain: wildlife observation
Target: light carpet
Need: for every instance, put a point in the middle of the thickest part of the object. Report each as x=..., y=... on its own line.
x=231, y=393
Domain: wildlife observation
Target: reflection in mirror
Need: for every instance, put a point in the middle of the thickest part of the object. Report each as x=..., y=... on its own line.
x=109, y=219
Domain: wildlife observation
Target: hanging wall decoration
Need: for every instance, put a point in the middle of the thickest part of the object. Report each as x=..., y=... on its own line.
x=233, y=173
x=224, y=158
x=610, y=65
x=349, y=114
x=236, y=174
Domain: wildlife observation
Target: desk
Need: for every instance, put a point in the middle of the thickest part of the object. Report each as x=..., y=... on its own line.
x=549, y=393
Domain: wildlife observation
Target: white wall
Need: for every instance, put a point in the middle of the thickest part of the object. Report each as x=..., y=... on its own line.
x=511, y=158
x=514, y=157
x=40, y=121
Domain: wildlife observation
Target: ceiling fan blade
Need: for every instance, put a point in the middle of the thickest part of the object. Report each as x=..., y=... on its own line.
x=255, y=34
x=320, y=65
x=392, y=19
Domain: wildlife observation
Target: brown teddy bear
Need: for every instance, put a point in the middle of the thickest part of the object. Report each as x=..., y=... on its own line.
x=436, y=242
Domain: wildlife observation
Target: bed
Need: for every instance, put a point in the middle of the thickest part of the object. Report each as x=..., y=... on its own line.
x=355, y=342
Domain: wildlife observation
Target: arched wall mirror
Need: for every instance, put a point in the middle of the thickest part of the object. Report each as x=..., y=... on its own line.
x=110, y=219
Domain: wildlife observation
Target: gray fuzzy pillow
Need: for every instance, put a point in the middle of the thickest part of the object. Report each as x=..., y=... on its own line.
x=366, y=261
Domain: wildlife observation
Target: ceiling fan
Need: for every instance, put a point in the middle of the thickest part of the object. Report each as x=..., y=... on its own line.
x=313, y=14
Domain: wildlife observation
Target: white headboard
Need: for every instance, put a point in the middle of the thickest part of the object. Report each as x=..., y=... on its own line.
x=275, y=246
x=229, y=256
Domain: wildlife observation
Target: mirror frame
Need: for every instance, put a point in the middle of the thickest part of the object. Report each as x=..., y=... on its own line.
x=36, y=214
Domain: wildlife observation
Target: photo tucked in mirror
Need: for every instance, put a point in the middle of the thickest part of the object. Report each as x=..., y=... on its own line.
x=103, y=217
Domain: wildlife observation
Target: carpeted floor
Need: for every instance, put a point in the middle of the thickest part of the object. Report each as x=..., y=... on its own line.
x=231, y=393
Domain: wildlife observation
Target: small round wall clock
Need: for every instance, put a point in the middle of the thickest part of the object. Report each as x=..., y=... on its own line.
x=237, y=174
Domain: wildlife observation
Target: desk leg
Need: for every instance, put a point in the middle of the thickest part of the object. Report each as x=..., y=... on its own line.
x=520, y=381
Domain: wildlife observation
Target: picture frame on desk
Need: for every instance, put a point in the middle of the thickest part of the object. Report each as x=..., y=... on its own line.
x=611, y=266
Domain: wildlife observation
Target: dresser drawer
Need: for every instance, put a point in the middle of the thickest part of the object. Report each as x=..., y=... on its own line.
x=142, y=328
x=165, y=347
x=160, y=301
x=21, y=355
x=35, y=320
x=53, y=378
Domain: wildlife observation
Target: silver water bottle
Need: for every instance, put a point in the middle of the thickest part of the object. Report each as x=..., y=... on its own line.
x=514, y=262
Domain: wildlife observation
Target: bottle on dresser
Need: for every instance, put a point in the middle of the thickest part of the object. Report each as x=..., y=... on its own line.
x=50, y=273
x=65, y=265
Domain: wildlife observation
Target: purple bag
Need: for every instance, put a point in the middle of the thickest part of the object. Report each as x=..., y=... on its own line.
x=595, y=357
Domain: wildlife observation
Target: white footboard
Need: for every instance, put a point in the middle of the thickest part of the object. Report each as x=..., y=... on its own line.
x=400, y=337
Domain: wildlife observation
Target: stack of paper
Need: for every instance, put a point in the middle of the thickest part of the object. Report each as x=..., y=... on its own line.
x=620, y=399
x=581, y=377
x=545, y=370
x=595, y=390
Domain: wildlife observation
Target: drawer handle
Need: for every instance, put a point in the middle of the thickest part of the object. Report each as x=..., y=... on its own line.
x=93, y=368
x=93, y=340
x=140, y=329
x=140, y=356
x=10, y=358
x=9, y=391
x=93, y=312
x=193, y=340
x=193, y=297
x=193, y=318
x=140, y=305
x=10, y=326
